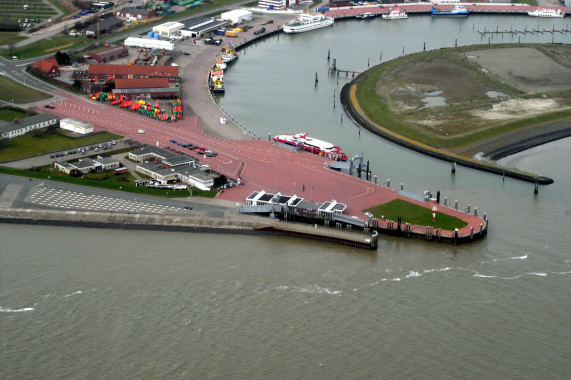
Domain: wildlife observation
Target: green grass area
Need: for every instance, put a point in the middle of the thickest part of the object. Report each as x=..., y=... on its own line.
x=12, y=91
x=11, y=113
x=49, y=46
x=7, y=38
x=415, y=214
x=28, y=145
x=106, y=180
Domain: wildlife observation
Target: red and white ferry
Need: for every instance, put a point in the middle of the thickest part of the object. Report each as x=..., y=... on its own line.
x=315, y=146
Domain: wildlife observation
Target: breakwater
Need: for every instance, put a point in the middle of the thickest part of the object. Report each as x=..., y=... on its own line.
x=175, y=223
x=350, y=104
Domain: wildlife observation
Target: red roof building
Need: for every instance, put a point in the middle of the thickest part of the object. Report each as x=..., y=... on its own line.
x=48, y=67
x=142, y=83
x=109, y=54
x=107, y=72
x=145, y=88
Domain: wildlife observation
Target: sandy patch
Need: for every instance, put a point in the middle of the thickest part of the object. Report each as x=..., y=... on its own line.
x=518, y=109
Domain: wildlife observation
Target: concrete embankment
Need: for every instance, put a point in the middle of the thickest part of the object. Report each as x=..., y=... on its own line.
x=351, y=105
x=175, y=223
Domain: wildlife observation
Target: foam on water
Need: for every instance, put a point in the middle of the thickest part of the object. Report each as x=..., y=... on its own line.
x=73, y=294
x=8, y=310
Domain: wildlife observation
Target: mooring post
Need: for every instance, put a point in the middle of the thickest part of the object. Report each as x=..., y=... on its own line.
x=453, y=167
x=456, y=205
x=445, y=201
x=316, y=80
x=536, y=190
x=269, y=137
x=389, y=183
x=401, y=186
x=438, y=197
x=475, y=211
x=375, y=179
x=328, y=54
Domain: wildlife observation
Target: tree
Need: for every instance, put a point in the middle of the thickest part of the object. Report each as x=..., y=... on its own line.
x=220, y=181
x=76, y=85
x=62, y=58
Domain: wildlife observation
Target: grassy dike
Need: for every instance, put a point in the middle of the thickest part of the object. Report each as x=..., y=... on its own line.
x=361, y=101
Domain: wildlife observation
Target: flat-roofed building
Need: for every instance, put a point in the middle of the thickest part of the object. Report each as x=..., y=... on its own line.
x=109, y=54
x=201, y=26
x=168, y=28
x=107, y=72
x=77, y=126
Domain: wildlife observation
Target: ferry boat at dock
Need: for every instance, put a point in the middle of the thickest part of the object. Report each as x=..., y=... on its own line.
x=309, y=144
x=543, y=12
x=395, y=14
x=459, y=10
x=306, y=22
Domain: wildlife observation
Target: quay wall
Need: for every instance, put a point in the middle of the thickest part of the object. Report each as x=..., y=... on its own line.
x=176, y=223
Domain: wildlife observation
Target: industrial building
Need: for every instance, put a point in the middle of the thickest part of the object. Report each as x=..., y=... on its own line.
x=108, y=54
x=149, y=43
x=20, y=127
x=201, y=26
x=133, y=13
x=107, y=72
x=278, y=5
x=237, y=16
x=145, y=88
x=103, y=26
x=76, y=126
x=168, y=29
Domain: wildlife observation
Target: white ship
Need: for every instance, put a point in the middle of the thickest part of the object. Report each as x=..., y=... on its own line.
x=543, y=12
x=395, y=14
x=306, y=22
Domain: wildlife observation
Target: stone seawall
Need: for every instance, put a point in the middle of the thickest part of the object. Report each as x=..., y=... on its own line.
x=175, y=223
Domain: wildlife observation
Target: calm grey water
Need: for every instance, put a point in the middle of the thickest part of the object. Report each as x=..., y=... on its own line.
x=88, y=303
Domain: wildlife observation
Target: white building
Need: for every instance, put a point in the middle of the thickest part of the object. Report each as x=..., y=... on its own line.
x=20, y=127
x=77, y=126
x=149, y=43
x=278, y=5
x=237, y=16
x=86, y=165
x=168, y=29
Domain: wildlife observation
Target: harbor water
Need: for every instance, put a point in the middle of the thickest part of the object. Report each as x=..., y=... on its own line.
x=99, y=304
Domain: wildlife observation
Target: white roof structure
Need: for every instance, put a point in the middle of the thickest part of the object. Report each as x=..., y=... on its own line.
x=237, y=16
x=168, y=28
x=150, y=43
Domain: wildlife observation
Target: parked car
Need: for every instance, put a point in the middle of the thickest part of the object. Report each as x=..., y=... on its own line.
x=141, y=131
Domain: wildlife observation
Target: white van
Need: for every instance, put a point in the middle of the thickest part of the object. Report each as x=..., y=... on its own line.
x=14, y=58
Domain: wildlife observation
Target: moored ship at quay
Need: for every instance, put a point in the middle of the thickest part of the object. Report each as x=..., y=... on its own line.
x=306, y=22
x=312, y=145
x=426, y=8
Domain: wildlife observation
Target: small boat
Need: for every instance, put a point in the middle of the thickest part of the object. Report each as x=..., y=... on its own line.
x=216, y=82
x=543, y=12
x=306, y=22
x=366, y=15
x=222, y=120
x=459, y=10
x=309, y=144
x=395, y=14
x=229, y=55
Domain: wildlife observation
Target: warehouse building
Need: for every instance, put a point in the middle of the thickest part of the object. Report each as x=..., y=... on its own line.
x=149, y=43
x=168, y=29
x=20, y=127
x=201, y=26
x=103, y=26
x=107, y=72
x=108, y=54
x=237, y=16
x=145, y=88
x=76, y=126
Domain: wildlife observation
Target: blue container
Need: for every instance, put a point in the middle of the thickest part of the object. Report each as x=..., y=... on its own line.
x=150, y=34
x=158, y=36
